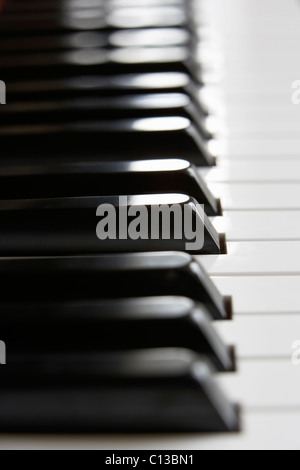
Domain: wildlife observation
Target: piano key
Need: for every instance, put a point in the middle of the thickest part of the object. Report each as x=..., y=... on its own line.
x=276, y=171
x=60, y=5
x=112, y=325
x=274, y=295
x=99, y=140
x=54, y=5
x=283, y=128
x=151, y=37
x=111, y=276
x=255, y=258
x=261, y=113
x=247, y=330
x=257, y=196
x=106, y=178
x=69, y=225
x=117, y=392
x=92, y=19
x=161, y=37
x=98, y=61
x=93, y=108
x=258, y=226
x=115, y=85
x=258, y=149
x=264, y=384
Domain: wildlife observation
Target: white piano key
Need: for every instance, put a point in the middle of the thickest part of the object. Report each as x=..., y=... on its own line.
x=259, y=226
x=257, y=196
x=255, y=258
x=237, y=98
x=263, y=114
x=266, y=295
x=264, y=383
x=280, y=128
x=257, y=149
x=253, y=171
x=263, y=336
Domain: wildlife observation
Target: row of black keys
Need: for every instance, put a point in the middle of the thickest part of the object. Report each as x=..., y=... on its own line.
x=86, y=354
x=114, y=342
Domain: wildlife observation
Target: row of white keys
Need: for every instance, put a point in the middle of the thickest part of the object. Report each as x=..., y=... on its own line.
x=257, y=179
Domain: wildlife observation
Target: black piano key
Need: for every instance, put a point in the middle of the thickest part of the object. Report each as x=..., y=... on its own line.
x=98, y=61
x=112, y=325
x=148, y=37
x=104, y=86
x=37, y=22
x=70, y=226
x=149, y=391
x=107, y=178
x=124, y=139
x=61, y=5
x=110, y=276
x=95, y=108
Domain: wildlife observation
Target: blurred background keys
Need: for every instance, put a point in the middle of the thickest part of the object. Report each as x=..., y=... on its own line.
x=150, y=37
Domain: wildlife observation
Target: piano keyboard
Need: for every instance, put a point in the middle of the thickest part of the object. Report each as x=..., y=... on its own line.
x=117, y=86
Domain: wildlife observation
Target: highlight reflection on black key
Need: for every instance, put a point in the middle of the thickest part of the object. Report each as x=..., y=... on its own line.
x=104, y=86
x=151, y=37
x=106, y=178
x=95, y=108
x=101, y=61
x=125, y=139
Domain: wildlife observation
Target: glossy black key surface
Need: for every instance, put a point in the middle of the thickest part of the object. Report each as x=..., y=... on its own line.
x=104, y=86
x=95, y=108
x=110, y=325
x=92, y=19
x=107, y=178
x=98, y=61
x=110, y=276
x=32, y=227
x=146, y=37
x=61, y=5
x=156, y=390
x=124, y=139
